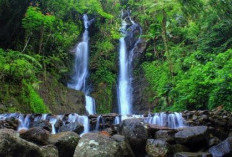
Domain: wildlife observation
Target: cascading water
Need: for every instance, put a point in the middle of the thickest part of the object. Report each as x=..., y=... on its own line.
x=26, y=121
x=100, y=120
x=172, y=120
x=124, y=87
x=79, y=78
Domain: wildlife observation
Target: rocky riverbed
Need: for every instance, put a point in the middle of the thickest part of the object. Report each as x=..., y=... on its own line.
x=206, y=134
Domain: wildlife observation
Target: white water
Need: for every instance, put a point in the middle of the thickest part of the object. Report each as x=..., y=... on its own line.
x=100, y=120
x=116, y=120
x=84, y=120
x=79, y=78
x=172, y=120
x=124, y=87
x=24, y=122
x=90, y=104
x=53, y=121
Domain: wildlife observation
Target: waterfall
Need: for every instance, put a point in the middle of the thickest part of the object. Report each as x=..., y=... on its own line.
x=124, y=87
x=79, y=78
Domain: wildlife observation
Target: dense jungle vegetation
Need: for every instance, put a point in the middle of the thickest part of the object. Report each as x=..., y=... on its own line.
x=187, y=61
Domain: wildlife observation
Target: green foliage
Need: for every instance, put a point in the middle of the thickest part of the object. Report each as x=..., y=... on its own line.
x=17, y=66
x=93, y=7
x=34, y=19
x=31, y=97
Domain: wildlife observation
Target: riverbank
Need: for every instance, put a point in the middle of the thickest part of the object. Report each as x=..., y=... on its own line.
x=204, y=133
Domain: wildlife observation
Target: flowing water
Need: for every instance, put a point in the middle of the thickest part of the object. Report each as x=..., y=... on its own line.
x=172, y=120
x=124, y=87
x=79, y=79
x=100, y=123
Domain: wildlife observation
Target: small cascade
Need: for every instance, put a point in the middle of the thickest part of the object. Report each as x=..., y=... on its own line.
x=100, y=125
x=172, y=120
x=44, y=116
x=24, y=122
x=116, y=120
x=79, y=79
x=53, y=121
x=84, y=120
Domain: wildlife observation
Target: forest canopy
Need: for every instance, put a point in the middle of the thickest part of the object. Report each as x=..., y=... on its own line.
x=187, y=61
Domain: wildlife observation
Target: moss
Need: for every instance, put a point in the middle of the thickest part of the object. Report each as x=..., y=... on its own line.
x=32, y=98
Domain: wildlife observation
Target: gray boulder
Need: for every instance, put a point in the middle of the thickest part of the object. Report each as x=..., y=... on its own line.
x=192, y=135
x=11, y=145
x=43, y=124
x=222, y=149
x=97, y=145
x=135, y=132
x=49, y=151
x=36, y=135
x=190, y=154
x=10, y=123
x=167, y=135
x=124, y=145
x=157, y=148
x=65, y=142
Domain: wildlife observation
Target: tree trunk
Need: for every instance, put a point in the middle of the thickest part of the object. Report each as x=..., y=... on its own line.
x=41, y=39
x=27, y=39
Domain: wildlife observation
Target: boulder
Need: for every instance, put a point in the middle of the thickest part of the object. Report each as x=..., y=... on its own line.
x=190, y=154
x=36, y=135
x=97, y=145
x=11, y=145
x=49, y=151
x=65, y=142
x=192, y=135
x=75, y=127
x=167, y=135
x=43, y=124
x=222, y=149
x=152, y=128
x=135, y=132
x=179, y=148
x=124, y=145
x=10, y=123
x=157, y=148
x=214, y=141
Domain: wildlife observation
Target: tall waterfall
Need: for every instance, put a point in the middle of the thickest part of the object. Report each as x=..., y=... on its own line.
x=125, y=70
x=79, y=78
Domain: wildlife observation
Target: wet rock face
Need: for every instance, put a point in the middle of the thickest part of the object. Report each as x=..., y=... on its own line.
x=133, y=33
x=36, y=135
x=60, y=99
x=135, y=132
x=65, y=142
x=222, y=149
x=42, y=124
x=75, y=127
x=97, y=145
